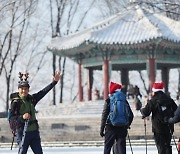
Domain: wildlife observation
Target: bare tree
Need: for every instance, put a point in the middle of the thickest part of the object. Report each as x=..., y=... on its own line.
x=168, y=7
x=60, y=4
x=144, y=83
x=18, y=13
x=66, y=13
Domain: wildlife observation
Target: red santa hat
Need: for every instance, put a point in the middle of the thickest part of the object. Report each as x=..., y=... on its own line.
x=158, y=86
x=114, y=87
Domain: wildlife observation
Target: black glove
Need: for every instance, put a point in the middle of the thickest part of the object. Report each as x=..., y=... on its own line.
x=102, y=133
x=170, y=120
x=143, y=117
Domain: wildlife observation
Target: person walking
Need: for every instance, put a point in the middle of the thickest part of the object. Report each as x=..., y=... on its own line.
x=23, y=109
x=176, y=119
x=161, y=106
x=111, y=132
x=137, y=91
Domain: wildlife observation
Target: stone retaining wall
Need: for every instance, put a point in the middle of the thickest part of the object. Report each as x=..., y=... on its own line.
x=78, y=122
x=78, y=129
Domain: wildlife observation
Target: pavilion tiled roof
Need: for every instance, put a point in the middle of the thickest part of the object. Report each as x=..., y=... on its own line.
x=130, y=27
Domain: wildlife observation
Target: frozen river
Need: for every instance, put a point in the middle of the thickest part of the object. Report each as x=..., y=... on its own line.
x=87, y=150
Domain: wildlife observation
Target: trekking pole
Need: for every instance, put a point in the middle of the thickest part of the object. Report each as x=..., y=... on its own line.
x=12, y=141
x=175, y=142
x=130, y=143
x=23, y=137
x=173, y=138
x=145, y=133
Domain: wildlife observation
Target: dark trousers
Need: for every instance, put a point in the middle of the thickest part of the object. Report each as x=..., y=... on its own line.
x=117, y=134
x=163, y=143
x=33, y=140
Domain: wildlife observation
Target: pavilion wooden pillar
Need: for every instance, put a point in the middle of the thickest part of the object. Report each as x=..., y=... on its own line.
x=80, y=83
x=165, y=78
x=151, y=72
x=106, y=78
x=89, y=83
x=152, y=66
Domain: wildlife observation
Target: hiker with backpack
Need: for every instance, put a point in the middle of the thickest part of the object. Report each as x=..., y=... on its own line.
x=22, y=119
x=161, y=107
x=117, y=117
x=176, y=119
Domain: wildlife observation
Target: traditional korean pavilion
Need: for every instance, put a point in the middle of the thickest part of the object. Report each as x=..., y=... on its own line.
x=134, y=39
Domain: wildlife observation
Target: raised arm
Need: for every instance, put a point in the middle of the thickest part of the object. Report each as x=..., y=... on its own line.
x=38, y=96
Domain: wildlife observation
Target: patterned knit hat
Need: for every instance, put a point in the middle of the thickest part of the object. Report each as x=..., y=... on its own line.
x=114, y=87
x=158, y=86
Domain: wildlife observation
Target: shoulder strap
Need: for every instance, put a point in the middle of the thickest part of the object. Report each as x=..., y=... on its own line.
x=15, y=104
x=14, y=95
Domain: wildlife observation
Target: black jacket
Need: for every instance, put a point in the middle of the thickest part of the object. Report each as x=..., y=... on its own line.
x=105, y=114
x=160, y=98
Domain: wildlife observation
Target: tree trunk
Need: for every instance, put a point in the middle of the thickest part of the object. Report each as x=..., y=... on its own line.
x=62, y=80
x=54, y=69
x=7, y=93
x=143, y=81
